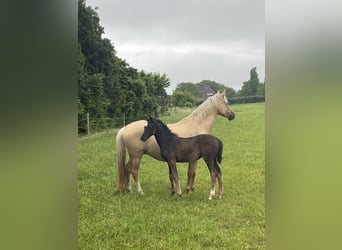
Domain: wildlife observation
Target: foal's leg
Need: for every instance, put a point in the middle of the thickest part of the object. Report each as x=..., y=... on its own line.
x=174, y=175
x=210, y=164
x=190, y=186
x=219, y=177
x=171, y=181
x=213, y=183
x=135, y=170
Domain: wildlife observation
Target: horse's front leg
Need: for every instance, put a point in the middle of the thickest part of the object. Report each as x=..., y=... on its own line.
x=174, y=176
x=190, y=186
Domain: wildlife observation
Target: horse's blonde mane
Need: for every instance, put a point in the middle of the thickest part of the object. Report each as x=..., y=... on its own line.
x=201, y=112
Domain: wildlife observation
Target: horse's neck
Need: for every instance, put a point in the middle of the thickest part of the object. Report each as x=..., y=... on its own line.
x=208, y=122
x=203, y=123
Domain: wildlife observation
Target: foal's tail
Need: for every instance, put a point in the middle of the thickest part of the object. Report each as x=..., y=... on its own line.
x=121, y=157
x=219, y=152
x=219, y=156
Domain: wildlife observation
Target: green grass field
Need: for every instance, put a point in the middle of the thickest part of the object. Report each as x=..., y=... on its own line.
x=157, y=220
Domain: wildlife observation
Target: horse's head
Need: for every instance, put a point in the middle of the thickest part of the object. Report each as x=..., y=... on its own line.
x=149, y=129
x=223, y=106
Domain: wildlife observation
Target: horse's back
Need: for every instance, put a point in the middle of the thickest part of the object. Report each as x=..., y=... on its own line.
x=133, y=130
x=187, y=127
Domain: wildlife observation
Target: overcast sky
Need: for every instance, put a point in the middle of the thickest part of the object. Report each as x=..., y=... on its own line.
x=189, y=40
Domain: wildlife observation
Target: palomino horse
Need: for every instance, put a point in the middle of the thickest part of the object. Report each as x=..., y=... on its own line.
x=177, y=149
x=200, y=121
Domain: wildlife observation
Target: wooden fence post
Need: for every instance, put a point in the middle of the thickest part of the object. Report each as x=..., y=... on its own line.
x=88, y=126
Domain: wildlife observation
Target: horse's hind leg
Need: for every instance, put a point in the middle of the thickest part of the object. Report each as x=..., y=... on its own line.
x=126, y=179
x=190, y=186
x=135, y=162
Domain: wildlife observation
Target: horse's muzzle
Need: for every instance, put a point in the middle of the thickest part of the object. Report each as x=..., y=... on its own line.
x=231, y=116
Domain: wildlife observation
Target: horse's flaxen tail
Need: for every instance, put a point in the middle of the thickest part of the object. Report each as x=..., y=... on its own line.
x=121, y=159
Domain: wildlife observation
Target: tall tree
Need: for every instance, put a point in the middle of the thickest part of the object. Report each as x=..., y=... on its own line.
x=250, y=87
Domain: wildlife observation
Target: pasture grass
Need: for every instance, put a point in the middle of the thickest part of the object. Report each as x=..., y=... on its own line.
x=157, y=220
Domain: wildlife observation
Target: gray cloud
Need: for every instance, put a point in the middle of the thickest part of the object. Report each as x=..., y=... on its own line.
x=188, y=40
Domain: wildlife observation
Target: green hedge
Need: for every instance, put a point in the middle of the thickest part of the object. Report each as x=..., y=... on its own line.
x=247, y=99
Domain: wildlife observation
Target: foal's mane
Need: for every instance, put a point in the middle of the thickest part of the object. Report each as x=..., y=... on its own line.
x=162, y=124
x=201, y=112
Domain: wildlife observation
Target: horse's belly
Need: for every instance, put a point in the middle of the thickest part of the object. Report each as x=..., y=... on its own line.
x=152, y=149
x=154, y=155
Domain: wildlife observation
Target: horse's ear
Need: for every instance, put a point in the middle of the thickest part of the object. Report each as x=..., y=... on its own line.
x=224, y=92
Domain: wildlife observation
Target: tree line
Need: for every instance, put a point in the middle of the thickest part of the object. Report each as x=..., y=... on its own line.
x=188, y=94
x=108, y=87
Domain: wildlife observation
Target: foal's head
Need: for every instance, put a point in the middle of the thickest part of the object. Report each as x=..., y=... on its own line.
x=149, y=129
x=155, y=126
